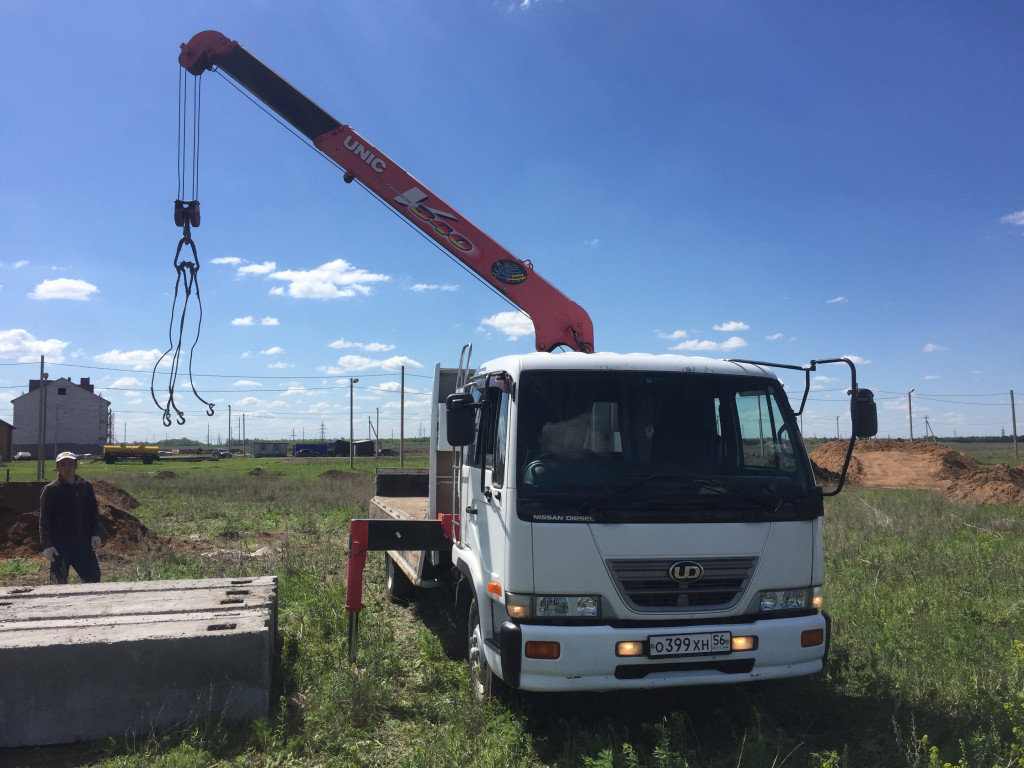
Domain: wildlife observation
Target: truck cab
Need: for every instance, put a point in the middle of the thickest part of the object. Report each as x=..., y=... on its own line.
x=633, y=521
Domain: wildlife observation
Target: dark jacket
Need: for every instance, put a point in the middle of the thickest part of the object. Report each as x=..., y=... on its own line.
x=68, y=512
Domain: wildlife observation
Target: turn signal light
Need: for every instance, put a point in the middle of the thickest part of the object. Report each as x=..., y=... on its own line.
x=812, y=637
x=538, y=649
x=744, y=643
x=629, y=648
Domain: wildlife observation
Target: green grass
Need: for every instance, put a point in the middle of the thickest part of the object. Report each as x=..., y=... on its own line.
x=926, y=662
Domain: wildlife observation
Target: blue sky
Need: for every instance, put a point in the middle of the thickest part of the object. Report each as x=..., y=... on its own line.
x=772, y=181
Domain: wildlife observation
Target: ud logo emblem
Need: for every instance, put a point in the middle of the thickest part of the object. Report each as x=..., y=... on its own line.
x=685, y=571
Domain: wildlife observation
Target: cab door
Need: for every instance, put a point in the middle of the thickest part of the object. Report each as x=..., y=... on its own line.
x=485, y=523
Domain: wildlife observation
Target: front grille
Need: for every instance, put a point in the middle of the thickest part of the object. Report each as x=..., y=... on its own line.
x=645, y=585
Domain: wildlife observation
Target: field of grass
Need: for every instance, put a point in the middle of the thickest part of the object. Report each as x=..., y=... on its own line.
x=926, y=665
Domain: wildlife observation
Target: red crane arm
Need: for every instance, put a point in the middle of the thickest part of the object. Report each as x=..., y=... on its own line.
x=557, y=320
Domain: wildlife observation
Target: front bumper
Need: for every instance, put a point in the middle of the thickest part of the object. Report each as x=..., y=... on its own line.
x=587, y=660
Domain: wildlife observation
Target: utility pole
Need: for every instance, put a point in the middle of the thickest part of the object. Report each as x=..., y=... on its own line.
x=42, y=420
x=401, y=424
x=1013, y=416
x=351, y=425
x=910, y=412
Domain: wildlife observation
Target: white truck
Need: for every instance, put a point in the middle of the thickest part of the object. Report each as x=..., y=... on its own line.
x=603, y=521
x=614, y=521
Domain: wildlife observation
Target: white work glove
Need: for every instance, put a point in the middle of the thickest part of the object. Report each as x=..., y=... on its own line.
x=96, y=542
x=50, y=553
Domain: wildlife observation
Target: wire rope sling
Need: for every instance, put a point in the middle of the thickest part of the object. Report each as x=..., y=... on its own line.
x=186, y=216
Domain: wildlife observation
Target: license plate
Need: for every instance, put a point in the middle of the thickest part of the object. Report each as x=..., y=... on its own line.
x=699, y=643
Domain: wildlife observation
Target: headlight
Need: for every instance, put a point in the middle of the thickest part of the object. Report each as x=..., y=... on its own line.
x=553, y=606
x=791, y=599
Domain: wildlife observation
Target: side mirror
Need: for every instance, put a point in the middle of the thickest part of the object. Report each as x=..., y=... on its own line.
x=460, y=418
x=864, y=413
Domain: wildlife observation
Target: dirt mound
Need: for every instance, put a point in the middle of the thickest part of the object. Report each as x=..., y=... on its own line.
x=1000, y=484
x=902, y=464
x=123, y=533
x=335, y=473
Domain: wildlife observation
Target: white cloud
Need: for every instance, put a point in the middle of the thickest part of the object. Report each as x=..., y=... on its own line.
x=272, y=351
x=773, y=337
x=270, y=321
x=673, y=335
x=934, y=348
x=932, y=377
x=396, y=363
x=247, y=383
x=295, y=390
x=837, y=300
x=127, y=382
x=373, y=346
x=693, y=345
x=63, y=288
x=247, y=320
x=356, y=363
x=25, y=348
x=731, y=326
x=280, y=364
x=857, y=359
x=257, y=269
x=20, y=263
x=592, y=242
x=424, y=287
x=232, y=260
x=139, y=359
x=1016, y=219
x=333, y=280
x=513, y=324
x=349, y=364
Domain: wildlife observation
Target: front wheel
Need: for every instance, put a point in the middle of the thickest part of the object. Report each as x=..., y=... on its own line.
x=486, y=684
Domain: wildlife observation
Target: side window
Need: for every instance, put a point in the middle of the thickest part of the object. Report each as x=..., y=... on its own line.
x=481, y=446
x=766, y=441
x=492, y=418
x=500, y=440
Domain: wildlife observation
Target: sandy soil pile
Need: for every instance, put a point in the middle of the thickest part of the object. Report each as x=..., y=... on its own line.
x=902, y=464
x=123, y=534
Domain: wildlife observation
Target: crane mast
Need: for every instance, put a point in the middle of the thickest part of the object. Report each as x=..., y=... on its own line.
x=558, y=321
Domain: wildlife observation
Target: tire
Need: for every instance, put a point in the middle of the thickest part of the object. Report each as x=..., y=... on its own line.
x=397, y=587
x=486, y=685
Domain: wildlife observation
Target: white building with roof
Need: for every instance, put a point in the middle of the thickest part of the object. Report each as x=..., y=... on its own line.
x=75, y=418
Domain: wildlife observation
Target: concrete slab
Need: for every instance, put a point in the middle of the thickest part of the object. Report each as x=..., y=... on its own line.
x=82, y=662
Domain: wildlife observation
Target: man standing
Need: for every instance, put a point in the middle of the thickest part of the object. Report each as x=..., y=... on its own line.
x=69, y=523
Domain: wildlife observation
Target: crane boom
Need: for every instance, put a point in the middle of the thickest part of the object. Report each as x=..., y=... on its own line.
x=557, y=320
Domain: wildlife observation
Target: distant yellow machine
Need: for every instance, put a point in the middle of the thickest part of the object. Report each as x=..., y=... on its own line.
x=117, y=451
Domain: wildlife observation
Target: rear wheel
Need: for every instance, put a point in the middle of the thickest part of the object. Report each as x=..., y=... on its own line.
x=397, y=586
x=486, y=684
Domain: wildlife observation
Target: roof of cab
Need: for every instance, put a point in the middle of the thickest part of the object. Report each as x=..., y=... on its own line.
x=615, y=361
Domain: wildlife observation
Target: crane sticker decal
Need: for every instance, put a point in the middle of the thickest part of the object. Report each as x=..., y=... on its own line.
x=432, y=217
x=508, y=272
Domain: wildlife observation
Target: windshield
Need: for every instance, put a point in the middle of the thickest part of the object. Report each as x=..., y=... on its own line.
x=639, y=440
